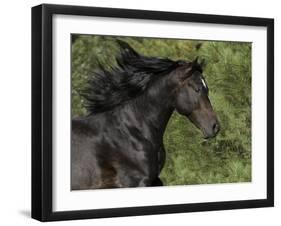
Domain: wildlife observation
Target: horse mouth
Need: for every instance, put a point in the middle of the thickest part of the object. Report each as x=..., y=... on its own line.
x=212, y=132
x=205, y=135
x=208, y=136
x=208, y=133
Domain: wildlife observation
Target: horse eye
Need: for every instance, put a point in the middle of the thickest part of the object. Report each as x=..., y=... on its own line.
x=197, y=89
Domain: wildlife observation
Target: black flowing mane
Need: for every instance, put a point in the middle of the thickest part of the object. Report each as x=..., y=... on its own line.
x=130, y=78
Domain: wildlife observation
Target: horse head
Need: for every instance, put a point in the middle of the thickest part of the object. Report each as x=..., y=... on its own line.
x=191, y=97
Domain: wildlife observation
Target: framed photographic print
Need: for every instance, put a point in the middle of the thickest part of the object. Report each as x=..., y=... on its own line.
x=146, y=112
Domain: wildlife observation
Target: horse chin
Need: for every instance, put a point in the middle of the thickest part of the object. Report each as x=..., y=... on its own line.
x=206, y=135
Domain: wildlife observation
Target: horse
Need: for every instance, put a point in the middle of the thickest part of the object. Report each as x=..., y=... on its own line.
x=120, y=142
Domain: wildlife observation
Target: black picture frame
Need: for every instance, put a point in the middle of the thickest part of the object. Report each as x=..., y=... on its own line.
x=42, y=111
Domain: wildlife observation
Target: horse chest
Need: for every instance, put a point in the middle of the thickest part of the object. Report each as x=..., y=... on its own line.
x=136, y=160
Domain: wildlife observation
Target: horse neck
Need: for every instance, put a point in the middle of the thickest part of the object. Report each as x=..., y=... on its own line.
x=154, y=107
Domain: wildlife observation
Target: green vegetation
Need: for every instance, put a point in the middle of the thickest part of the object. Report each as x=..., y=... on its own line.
x=190, y=159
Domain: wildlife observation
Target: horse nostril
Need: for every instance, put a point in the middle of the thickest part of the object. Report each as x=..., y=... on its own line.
x=216, y=128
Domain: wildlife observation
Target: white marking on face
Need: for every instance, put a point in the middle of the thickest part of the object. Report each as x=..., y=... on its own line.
x=204, y=84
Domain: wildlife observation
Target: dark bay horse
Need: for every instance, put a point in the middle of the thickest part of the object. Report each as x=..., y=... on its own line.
x=120, y=143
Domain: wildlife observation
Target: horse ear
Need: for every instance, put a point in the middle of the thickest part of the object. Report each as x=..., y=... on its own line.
x=203, y=63
x=195, y=62
x=199, y=62
x=126, y=48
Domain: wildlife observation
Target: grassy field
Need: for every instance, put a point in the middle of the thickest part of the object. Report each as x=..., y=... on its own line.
x=190, y=159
